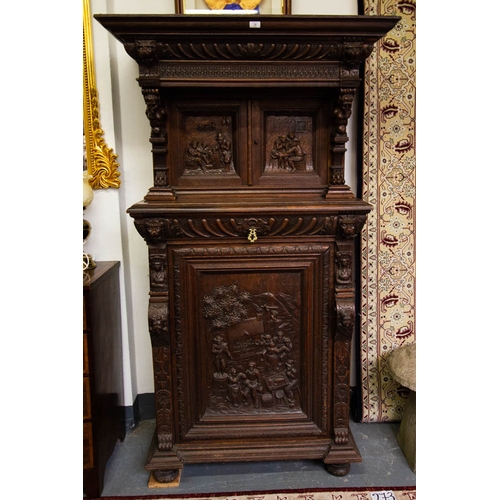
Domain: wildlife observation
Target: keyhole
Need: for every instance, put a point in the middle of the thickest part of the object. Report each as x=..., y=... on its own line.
x=252, y=235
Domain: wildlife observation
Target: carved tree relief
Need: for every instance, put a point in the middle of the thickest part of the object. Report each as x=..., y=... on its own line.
x=254, y=340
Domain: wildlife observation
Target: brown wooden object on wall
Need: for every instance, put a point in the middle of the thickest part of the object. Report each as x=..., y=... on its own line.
x=251, y=232
x=103, y=419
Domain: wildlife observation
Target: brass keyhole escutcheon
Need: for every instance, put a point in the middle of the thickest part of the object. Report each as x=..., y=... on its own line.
x=252, y=235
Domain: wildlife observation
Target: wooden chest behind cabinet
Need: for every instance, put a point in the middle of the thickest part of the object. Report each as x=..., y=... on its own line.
x=103, y=418
x=251, y=232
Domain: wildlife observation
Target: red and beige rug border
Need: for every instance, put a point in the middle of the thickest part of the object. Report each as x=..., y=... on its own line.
x=359, y=493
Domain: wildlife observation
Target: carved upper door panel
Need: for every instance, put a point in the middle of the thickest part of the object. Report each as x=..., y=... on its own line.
x=246, y=320
x=287, y=137
x=208, y=142
x=245, y=138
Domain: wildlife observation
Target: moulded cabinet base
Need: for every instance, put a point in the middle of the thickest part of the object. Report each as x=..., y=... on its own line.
x=166, y=465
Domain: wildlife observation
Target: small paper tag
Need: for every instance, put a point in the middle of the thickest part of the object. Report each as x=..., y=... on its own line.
x=382, y=495
x=254, y=24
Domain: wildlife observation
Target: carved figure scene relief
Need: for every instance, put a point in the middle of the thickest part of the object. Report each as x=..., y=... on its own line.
x=255, y=351
x=288, y=144
x=209, y=148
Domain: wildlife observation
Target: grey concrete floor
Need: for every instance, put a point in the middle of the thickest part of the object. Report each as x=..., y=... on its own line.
x=383, y=465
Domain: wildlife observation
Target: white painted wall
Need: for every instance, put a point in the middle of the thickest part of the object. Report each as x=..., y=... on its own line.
x=127, y=131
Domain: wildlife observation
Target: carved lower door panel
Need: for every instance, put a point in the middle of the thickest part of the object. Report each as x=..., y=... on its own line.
x=252, y=355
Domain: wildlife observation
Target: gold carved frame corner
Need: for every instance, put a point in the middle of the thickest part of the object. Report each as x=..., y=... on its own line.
x=101, y=160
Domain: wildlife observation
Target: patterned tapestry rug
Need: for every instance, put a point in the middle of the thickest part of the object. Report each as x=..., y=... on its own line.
x=394, y=493
x=388, y=240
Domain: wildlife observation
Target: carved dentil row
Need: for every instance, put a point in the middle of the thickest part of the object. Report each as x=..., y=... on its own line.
x=161, y=229
x=151, y=51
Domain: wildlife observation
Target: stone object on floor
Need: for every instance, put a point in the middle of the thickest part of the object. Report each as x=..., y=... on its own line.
x=403, y=367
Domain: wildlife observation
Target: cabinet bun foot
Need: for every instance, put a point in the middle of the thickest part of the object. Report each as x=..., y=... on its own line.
x=338, y=469
x=165, y=476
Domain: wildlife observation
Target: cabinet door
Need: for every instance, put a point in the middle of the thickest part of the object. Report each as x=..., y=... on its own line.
x=252, y=340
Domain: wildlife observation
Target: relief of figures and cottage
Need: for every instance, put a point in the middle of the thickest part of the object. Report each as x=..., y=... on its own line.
x=255, y=352
x=209, y=148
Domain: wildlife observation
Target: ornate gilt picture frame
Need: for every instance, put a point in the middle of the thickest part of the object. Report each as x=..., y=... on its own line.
x=265, y=6
x=101, y=160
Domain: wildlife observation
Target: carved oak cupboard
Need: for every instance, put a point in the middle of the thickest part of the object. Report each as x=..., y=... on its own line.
x=251, y=231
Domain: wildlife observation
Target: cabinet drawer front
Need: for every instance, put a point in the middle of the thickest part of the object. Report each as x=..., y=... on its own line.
x=87, y=412
x=88, y=449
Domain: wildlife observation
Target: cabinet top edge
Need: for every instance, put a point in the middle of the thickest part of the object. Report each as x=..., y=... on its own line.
x=161, y=24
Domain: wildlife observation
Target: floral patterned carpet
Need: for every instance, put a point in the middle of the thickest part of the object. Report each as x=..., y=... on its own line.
x=388, y=239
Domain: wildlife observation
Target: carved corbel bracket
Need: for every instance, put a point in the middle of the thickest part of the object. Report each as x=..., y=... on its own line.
x=152, y=230
x=143, y=51
x=351, y=225
x=353, y=54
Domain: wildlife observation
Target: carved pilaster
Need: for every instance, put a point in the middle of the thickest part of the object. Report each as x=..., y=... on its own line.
x=338, y=138
x=342, y=356
x=163, y=391
x=345, y=316
x=157, y=116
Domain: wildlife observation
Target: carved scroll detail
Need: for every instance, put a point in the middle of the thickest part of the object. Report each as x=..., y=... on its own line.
x=101, y=160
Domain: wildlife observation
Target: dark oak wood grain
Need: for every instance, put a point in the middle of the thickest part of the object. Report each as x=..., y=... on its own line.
x=251, y=232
